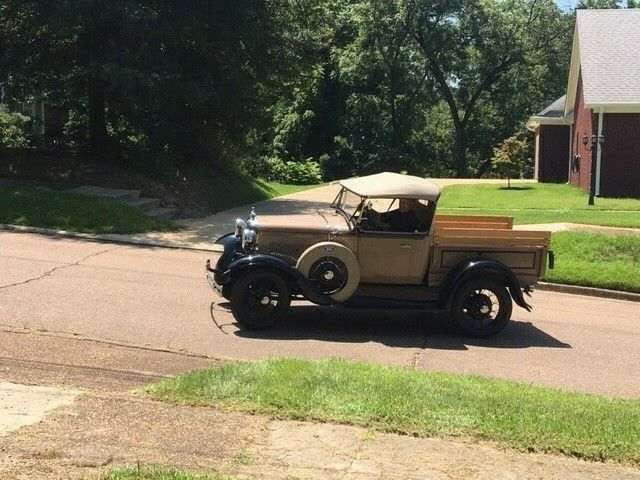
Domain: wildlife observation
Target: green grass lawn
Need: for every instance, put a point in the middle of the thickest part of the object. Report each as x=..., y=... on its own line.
x=410, y=402
x=596, y=260
x=43, y=207
x=235, y=191
x=539, y=203
x=159, y=474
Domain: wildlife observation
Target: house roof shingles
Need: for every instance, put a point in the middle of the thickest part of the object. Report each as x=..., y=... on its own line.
x=556, y=109
x=609, y=42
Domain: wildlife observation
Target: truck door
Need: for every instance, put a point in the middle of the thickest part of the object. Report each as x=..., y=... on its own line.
x=390, y=257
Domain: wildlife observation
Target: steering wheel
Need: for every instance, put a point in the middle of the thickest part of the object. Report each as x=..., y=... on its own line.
x=369, y=218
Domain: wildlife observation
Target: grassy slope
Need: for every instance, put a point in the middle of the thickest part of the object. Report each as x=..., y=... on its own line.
x=539, y=203
x=232, y=192
x=417, y=403
x=596, y=260
x=42, y=207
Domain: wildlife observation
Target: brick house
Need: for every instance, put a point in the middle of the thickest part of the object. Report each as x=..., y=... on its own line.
x=595, y=128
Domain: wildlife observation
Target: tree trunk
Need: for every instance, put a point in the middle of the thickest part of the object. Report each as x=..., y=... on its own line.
x=460, y=152
x=97, y=115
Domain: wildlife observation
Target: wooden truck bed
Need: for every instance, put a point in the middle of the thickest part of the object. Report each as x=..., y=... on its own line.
x=459, y=237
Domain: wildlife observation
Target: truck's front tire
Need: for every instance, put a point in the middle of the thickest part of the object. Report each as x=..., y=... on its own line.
x=481, y=308
x=259, y=299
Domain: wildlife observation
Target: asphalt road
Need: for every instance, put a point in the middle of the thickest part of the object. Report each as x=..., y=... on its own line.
x=159, y=298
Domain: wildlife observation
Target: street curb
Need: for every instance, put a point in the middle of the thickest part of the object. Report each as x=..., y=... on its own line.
x=106, y=238
x=545, y=286
x=588, y=291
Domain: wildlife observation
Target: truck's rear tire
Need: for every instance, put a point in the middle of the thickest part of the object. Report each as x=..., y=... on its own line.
x=481, y=308
x=259, y=299
x=333, y=267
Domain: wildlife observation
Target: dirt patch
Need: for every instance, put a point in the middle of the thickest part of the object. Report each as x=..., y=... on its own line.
x=23, y=404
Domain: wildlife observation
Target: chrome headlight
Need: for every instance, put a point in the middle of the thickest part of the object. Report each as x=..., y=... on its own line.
x=249, y=240
x=254, y=225
x=240, y=226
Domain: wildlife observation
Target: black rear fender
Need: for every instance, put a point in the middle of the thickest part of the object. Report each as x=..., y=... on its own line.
x=480, y=268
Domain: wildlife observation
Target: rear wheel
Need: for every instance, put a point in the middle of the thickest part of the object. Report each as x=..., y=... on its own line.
x=481, y=308
x=259, y=299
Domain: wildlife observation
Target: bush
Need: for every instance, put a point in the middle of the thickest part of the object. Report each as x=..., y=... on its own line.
x=12, y=134
x=274, y=169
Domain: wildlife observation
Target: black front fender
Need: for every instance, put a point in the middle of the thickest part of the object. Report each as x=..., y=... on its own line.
x=251, y=262
x=480, y=268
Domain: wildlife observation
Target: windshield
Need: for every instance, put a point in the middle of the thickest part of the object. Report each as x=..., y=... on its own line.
x=347, y=203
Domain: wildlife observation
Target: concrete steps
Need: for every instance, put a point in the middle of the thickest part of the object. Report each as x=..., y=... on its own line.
x=151, y=207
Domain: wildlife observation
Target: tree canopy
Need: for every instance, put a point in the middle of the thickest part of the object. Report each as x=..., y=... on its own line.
x=424, y=86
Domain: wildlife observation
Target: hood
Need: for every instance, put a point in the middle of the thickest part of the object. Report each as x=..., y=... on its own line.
x=321, y=221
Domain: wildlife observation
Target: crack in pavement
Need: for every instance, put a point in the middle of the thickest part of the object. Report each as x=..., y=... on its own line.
x=49, y=272
x=418, y=354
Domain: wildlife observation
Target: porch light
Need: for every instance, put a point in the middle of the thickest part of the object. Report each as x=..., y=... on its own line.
x=590, y=142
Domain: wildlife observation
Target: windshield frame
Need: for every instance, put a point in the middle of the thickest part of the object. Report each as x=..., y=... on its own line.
x=338, y=205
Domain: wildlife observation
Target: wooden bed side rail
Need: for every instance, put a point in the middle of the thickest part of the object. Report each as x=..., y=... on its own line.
x=490, y=237
x=465, y=221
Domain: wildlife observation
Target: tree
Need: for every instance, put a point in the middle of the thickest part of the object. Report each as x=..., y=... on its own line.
x=470, y=47
x=510, y=158
x=184, y=80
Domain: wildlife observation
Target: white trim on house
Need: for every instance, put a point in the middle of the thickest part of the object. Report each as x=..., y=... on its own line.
x=574, y=72
x=615, y=107
x=599, y=151
x=534, y=122
x=570, y=153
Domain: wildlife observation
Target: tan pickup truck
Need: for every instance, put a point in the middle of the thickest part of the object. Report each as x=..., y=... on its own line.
x=380, y=244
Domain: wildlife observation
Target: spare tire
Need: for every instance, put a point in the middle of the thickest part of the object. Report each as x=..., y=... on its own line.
x=333, y=267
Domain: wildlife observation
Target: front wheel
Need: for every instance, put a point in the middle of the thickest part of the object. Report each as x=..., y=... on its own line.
x=481, y=308
x=259, y=299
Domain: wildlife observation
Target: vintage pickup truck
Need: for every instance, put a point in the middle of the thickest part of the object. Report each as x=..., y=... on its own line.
x=363, y=252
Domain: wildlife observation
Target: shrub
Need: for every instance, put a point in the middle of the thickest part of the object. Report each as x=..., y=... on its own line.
x=12, y=134
x=510, y=158
x=275, y=169
x=297, y=173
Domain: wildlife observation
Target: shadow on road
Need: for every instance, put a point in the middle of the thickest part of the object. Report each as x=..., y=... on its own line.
x=395, y=329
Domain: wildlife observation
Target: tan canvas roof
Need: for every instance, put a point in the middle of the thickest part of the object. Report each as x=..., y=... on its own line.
x=392, y=185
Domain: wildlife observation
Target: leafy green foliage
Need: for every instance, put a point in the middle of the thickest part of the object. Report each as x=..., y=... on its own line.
x=296, y=173
x=510, y=157
x=287, y=172
x=417, y=403
x=12, y=133
x=361, y=86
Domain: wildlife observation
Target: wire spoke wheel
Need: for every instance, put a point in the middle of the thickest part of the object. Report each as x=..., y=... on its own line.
x=481, y=308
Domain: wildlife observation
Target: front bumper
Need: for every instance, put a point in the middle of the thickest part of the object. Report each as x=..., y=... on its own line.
x=211, y=272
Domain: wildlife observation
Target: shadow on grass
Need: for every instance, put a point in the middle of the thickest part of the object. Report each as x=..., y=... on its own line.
x=516, y=188
x=411, y=330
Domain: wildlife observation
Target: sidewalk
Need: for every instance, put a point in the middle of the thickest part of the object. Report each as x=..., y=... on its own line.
x=110, y=425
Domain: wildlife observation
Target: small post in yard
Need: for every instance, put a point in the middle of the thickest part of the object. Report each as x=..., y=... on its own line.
x=592, y=144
